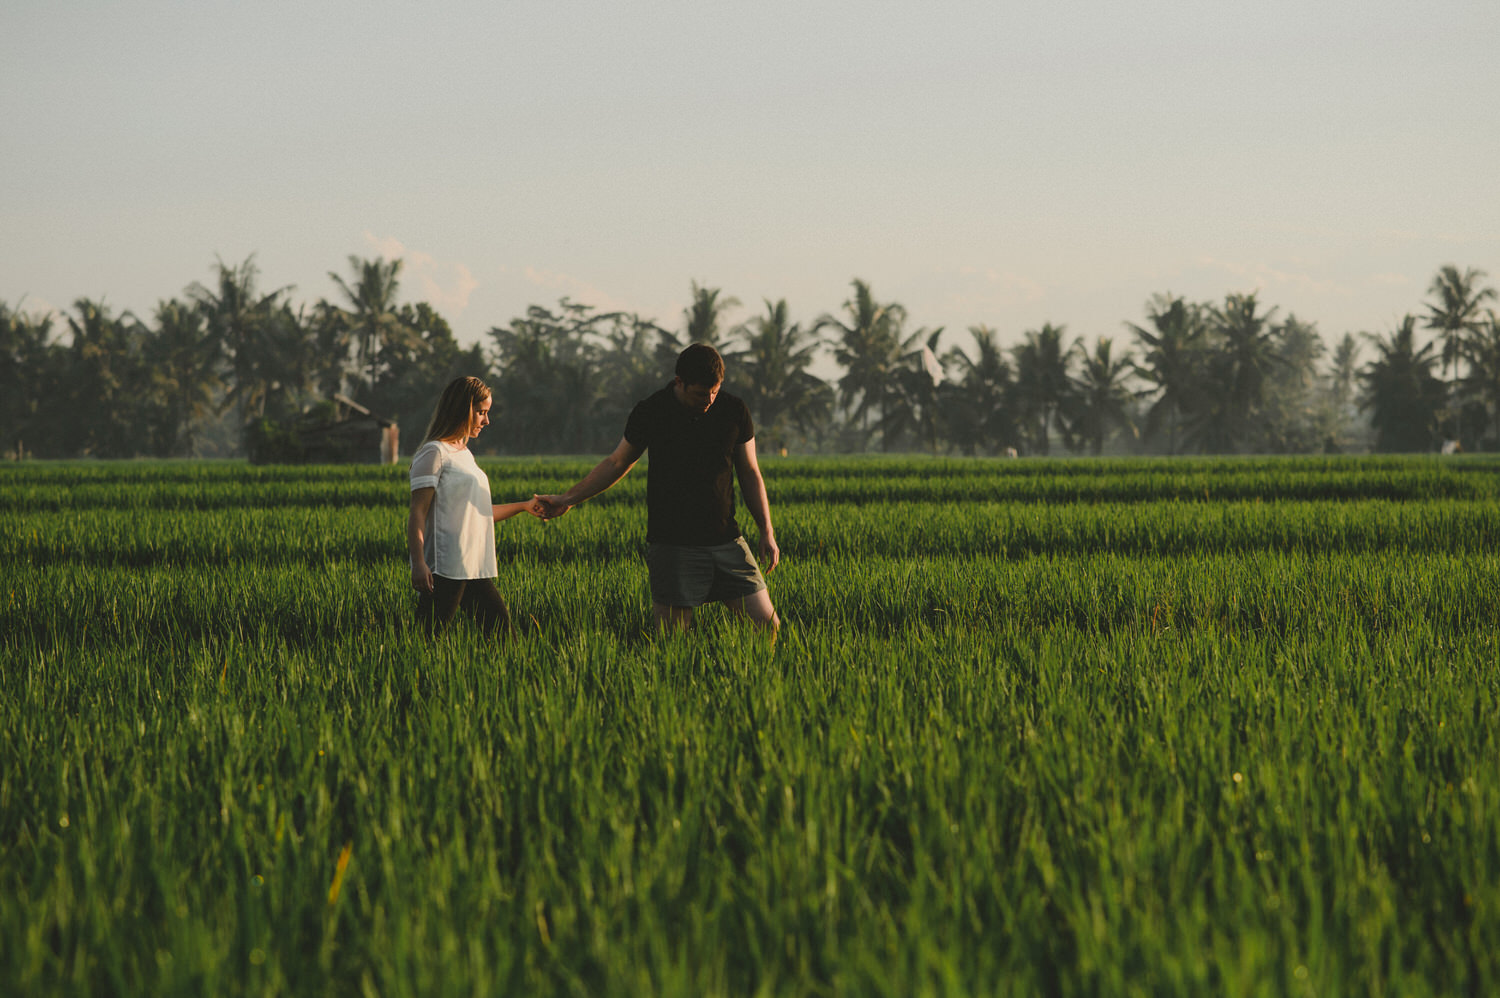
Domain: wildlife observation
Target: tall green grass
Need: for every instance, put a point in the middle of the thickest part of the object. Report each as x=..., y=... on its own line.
x=1146, y=744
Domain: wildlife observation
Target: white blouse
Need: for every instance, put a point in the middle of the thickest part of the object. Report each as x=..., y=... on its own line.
x=459, y=537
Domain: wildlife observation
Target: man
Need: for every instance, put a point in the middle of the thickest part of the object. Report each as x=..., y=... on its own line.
x=697, y=435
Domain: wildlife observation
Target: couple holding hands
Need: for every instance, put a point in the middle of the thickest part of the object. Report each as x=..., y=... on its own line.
x=700, y=439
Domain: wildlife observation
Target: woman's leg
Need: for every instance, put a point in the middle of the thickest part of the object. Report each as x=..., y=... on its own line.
x=483, y=602
x=436, y=609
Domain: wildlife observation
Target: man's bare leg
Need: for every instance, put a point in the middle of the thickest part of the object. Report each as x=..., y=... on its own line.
x=672, y=618
x=757, y=607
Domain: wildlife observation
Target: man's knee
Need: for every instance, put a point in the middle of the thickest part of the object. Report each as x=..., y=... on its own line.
x=758, y=608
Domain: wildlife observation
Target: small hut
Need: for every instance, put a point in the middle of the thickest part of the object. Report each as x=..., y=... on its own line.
x=336, y=431
x=355, y=435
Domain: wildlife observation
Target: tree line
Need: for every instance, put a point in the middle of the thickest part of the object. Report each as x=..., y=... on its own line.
x=200, y=374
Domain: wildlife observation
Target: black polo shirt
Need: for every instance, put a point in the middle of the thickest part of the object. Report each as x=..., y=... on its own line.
x=690, y=478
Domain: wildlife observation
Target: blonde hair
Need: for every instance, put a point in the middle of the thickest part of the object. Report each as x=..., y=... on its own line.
x=456, y=408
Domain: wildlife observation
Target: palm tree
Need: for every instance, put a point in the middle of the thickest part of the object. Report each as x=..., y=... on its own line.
x=1242, y=358
x=1342, y=375
x=1456, y=312
x=1456, y=315
x=1343, y=370
x=634, y=370
x=1250, y=349
x=1299, y=348
x=917, y=381
x=868, y=346
x=550, y=379
x=1042, y=384
x=334, y=335
x=702, y=322
x=704, y=314
x=290, y=361
x=373, y=314
x=1401, y=392
x=980, y=415
x=411, y=372
x=1172, y=362
x=104, y=380
x=1482, y=352
x=780, y=390
x=1100, y=399
x=1294, y=419
x=26, y=371
x=239, y=317
x=182, y=357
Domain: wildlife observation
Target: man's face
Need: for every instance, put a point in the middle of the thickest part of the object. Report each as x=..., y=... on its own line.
x=697, y=397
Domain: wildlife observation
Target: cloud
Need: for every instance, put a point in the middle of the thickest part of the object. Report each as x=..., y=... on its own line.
x=444, y=285
x=984, y=290
x=1439, y=238
x=1263, y=275
x=576, y=289
x=1003, y=287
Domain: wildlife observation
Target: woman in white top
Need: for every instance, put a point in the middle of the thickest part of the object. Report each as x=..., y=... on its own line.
x=450, y=533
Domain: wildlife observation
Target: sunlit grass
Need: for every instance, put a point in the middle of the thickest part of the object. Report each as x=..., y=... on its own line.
x=1137, y=743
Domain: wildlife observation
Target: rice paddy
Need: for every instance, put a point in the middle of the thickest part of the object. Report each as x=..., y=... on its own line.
x=1190, y=726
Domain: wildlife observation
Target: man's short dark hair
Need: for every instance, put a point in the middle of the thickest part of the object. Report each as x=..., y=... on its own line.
x=700, y=364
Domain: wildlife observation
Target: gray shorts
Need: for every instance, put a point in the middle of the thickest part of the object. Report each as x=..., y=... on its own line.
x=691, y=576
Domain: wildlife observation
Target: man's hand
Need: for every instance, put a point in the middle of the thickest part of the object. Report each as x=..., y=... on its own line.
x=551, y=507
x=753, y=488
x=421, y=577
x=770, y=554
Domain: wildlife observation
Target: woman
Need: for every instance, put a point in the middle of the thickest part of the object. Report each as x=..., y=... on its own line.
x=450, y=533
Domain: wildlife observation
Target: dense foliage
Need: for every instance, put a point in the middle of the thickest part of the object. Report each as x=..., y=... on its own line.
x=1196, y=377
x=1169, y=726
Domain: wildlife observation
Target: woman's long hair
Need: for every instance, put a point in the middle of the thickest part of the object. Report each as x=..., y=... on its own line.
x=456, y=408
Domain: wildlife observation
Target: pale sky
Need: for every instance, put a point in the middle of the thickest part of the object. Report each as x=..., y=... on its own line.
x=980, y=162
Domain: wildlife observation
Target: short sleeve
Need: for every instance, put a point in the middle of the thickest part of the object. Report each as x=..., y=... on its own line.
x=638, y=427
x=426, y=464
x=746, y=431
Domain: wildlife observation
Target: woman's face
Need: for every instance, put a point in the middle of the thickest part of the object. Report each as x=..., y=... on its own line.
x=479, y=417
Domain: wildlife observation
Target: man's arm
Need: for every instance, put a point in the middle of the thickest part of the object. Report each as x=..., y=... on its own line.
x=606, y=473
x=753, y=488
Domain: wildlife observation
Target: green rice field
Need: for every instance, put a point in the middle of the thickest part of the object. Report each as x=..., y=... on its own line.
x=1035, y=727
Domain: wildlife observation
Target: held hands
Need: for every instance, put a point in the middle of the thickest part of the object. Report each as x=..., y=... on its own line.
x=538, y=506
x=549, y=507
x=505, y=511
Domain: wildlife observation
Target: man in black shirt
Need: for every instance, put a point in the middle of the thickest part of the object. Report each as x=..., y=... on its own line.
x=700, y=439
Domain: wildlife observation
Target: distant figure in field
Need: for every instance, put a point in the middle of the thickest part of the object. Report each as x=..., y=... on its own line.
x=700, y=439
x=450, y=532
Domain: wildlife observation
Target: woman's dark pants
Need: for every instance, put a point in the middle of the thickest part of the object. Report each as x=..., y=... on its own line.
x=478, y=597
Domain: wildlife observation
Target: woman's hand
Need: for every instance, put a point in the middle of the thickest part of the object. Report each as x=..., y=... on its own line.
x=504, y=511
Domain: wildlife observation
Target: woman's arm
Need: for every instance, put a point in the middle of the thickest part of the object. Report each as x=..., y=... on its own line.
x=416, y=526
x=506, y=510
